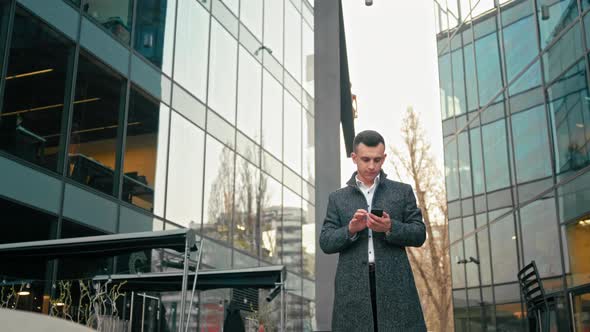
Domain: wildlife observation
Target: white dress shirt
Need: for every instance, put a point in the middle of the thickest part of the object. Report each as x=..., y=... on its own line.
x=368, y=193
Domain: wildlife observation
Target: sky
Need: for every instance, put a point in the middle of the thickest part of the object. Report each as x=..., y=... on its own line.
x=393, y=64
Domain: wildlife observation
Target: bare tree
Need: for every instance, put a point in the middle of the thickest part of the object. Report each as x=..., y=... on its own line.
x=430, y=263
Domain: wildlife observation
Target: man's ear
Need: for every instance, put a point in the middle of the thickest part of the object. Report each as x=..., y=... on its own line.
x=353, y=156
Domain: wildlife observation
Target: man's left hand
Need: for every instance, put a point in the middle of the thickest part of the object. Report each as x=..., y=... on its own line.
x=379, y=224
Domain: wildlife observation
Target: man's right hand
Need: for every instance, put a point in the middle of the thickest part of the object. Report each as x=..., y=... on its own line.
x=358, y=222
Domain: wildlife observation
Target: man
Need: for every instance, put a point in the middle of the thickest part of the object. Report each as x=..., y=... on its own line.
x=374, y=286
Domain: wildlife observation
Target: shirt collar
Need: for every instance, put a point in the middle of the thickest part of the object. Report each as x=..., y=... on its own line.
x=360, y=183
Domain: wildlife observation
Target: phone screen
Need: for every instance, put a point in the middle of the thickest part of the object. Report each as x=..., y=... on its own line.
x=377, y=212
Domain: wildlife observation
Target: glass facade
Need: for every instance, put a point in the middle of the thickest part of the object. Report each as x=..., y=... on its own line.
x=133, y=115
x=516, y=123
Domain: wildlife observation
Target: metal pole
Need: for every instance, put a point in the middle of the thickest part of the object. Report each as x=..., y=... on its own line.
x=142, y=312
x=184, y=284
x=131, y=312
x=283, y=304
x=190, y=306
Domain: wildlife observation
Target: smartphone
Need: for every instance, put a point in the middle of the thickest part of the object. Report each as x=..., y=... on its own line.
x=377, y=212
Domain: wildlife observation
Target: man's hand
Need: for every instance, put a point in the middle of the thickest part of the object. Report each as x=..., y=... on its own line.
x=379, y=224
x=358, y=222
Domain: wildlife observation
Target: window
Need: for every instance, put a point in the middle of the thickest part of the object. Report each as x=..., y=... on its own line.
x=488, y=67
x=495, y=155
x=308, y=240
x=308, y=171
x=570, y=117
x=293, y=41
x=554, y=16
x=308, y=60
x=113, y=15
x=504, y=257
x=270, y=223
x=476, y=161
x=292, y=135
x=464, y=164
x=520, y=48
x=457, y=270
x=563, y=53
x=249, y=95
x=483, y=245
x=531, y=145
x=458, y=82
x=446, y=86
x=291, y=229
x=154, y=32
x=144, y=149
x=185, y=184
x=99, y=101
x=272, y=116
x=451, y=168
x=249, y=194
x=192, y=48
x=470, y=77
x=222, y=72
x=578, y=240
x=540, y=237
x=31, y=123
x=273, y=28
x=251, y=16
x=219, y=190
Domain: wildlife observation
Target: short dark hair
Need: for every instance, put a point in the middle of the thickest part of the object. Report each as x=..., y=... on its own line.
x=369, y=138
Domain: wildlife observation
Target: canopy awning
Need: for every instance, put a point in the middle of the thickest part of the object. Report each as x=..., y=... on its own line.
x=102, y=245
x=266, y=277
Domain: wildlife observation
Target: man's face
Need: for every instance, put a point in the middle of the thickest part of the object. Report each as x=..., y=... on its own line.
x=369, y=161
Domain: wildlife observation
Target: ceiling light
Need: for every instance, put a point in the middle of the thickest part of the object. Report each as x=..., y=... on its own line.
x=23, y=293
x=580, y=125
x=60, y=304
x=40, y=108
x=514, y=237
x=29, y=74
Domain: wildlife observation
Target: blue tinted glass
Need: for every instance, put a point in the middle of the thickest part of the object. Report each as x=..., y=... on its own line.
x=570, y=116
x=113, y=15
x=495, y=155
x=464, y=165
x=488, y=67
x=531, y=145
x=554, y=16
x=154, y=32
x=458, y=82
x=446, y=86
x=470, y=77
x=476, y=161
x=451, y=168
x=520, y=47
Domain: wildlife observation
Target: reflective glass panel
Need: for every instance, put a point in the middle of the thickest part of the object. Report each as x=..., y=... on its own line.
x=578, y=239
x=249, y=95
x=563, y=53
x=98, y=102
x=291, y=229
x=222, y=72
x=272, y=116
x=520, y=48
x=271, y=223
x=292, y=136
x=308, y=240
x=451, y=171
x=540, y=237
x=185, y=183
x=219, y=190
x=464, y=164
x=192, y=48
x=446, y=86
x=154, y=32
x=504, y=259
x=113, y=15
x=31, y=123
x=273, y=28
x=476, y=161
x=554, y=16
x=531, y=144
x=488, y=67
x=141, y=149
x=293, y=41
x=495, y=155
x=308, y=60
x=458, y=82
x=308, y=172
x=570, y=117
x=251, y=16
x=248, y=194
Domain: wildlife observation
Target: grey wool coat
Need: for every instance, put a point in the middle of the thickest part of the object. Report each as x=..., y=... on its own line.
x=398, y=304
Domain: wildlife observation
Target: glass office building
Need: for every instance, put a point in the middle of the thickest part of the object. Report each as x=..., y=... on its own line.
x=516, y=126
x=124, y=116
